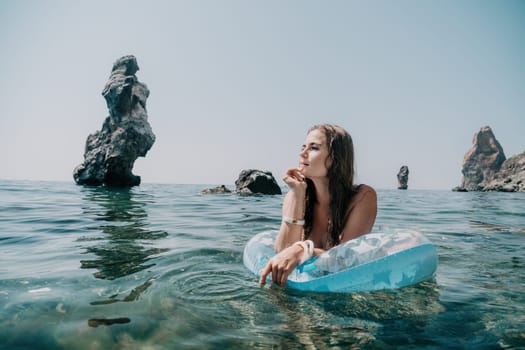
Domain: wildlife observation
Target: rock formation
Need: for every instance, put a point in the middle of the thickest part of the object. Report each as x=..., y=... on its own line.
x=255, y=181
x=125, y=135
x=482, y=161
x=402, y=178
x=216, y=190
x=510, y=177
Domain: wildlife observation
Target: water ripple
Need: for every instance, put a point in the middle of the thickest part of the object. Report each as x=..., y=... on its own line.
x=208, y=275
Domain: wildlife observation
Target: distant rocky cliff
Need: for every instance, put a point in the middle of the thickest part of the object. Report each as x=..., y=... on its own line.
x=510, y=177
x=125, y=135
x=485, y=167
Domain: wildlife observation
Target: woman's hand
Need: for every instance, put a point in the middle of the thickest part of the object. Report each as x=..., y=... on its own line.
x=293, y=207
x=282, y=264
x=294, y=178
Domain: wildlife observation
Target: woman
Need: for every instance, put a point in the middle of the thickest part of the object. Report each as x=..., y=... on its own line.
x=323, y=207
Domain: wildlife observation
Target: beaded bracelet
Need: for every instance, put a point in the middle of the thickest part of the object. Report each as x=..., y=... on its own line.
x=308, y=247
x=293, y=221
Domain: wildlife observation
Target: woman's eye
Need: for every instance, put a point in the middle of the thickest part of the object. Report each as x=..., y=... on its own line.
x=309, y=148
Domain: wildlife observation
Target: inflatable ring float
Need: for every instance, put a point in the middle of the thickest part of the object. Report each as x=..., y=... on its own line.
x=374, y=261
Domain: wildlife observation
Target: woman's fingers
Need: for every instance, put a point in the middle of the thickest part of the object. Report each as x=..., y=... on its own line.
x=280, y=266
x=294, y=178
x=284, y=278
x=279, y=274
x=264, y=272
x=295, y=174
x=275, y=275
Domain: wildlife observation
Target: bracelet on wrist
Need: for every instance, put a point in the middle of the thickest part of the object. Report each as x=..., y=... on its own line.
x=308, y=247
x=293, y=221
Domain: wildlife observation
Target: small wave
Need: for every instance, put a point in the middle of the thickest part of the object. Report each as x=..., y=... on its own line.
x=209, y=275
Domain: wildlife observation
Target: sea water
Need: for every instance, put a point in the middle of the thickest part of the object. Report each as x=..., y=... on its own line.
x=160, y=267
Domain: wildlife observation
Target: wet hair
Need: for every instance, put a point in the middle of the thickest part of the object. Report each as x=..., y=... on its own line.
x=340, y=181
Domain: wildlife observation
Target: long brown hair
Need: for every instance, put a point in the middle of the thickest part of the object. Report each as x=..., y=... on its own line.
x=340, y=181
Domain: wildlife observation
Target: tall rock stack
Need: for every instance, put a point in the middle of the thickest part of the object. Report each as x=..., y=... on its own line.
x=402, y=178
x=482, y=162
x=125, y=135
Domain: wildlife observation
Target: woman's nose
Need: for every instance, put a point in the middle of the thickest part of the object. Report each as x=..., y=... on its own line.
x=303, y=153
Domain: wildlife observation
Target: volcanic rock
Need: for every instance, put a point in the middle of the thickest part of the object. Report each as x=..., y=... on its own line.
x=256, y=181
x=216, y=190
x=482, y=161
x=510, y=177
x=125, y=135
x=402, y=178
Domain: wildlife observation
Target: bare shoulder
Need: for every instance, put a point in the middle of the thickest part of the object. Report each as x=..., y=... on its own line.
x=366, y=196
x=365, y=191
x=362, y=213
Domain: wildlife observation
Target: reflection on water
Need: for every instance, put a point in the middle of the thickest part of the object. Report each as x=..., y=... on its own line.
x=345, y=321
x=132, y=296
x=122, y=251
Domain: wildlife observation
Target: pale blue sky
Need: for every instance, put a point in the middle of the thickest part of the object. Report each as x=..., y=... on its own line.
x=236, y=84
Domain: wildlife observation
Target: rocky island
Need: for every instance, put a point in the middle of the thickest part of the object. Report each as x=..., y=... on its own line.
x=250, y=181
x=125, y=135
x=402, y=178
x=253, y=181
x=485, y=167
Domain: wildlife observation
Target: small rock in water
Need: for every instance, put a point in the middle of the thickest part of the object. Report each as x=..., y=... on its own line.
x=253, y=181
x=215, y=190
x=402, y=178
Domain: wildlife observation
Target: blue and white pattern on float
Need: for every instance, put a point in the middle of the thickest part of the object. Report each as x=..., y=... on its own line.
x=378, y=260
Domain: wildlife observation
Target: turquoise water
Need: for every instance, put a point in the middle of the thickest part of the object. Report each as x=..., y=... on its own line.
x=160, y=267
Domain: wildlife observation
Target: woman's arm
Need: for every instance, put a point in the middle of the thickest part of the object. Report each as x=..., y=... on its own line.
x=289, y=232
x=362, y=216
x=289, y=254
x=293, y=210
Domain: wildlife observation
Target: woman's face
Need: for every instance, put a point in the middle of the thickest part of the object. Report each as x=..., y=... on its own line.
x=314, y=154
